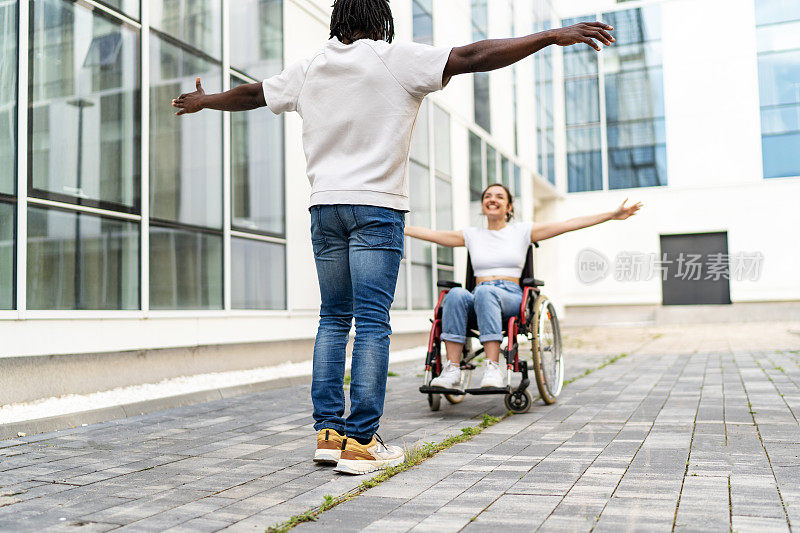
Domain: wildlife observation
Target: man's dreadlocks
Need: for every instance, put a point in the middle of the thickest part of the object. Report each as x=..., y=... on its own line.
x=355, y=19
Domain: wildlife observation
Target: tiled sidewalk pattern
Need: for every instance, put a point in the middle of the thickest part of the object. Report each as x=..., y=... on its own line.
x=703, y=442
x=700, y=441
x=242, y=460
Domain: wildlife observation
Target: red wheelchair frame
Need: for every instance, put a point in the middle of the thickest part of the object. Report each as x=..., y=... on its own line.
x=517, y=399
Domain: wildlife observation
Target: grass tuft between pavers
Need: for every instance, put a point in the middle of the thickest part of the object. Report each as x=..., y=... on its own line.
x=414, y=455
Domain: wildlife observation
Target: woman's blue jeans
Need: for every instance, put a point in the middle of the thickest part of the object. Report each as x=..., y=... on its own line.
x=357, y=250
x=490, y=305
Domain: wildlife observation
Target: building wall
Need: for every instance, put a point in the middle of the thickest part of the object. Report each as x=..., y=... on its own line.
x=27, y=332
x=715, y=176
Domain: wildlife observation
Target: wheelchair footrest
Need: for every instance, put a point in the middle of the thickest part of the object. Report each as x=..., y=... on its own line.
x=489, y=390
x=427, y=389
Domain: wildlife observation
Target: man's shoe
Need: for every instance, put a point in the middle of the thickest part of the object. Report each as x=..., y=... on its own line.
x=329, y=446
x=450, y=378
x=359, y=458
x=493, y=376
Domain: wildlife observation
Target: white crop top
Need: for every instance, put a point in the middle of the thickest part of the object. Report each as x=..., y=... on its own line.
x=498, y=252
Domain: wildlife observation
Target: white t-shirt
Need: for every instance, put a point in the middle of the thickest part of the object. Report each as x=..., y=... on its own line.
x=498, y=252
x=359, y=103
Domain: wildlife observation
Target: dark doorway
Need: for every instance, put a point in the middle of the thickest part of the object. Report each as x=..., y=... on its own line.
x=696, y=269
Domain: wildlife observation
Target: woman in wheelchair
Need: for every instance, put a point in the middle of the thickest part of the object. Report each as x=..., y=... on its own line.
x=497, y=254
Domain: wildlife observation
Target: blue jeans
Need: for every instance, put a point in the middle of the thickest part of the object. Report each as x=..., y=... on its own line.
x=357, y=250
x=490, y=305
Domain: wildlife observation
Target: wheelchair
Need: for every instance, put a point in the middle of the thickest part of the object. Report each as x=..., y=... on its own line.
x=537, y=326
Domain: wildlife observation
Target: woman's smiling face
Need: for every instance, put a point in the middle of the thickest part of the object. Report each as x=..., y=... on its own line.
x=495, y=202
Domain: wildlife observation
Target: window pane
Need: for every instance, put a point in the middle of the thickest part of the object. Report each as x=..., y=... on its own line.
x=258, y=274
x=257, y=42
x=421, y=286
x=779, y=77
x=636, y=25
x=483, y=113
x=634, y=95
x=129, y=7
x=505, y=173
x=420, y=214
x=79, y=261
x=419, y=139
x=444, y=218
x=780, y=119
x=6, y=255
x=400, y=292
x=781, y=155
x=771, y=11
x=196, y=22
x=185, y=151
x=441, y=139
x=85, y=99
x=583, y=100
x=446, y=275
x=475, y=168
x=257, y=171
x=480, y=19
x=185, y=269
x=8, y=97
x=584, y=167
x=422, y=12
x=491, y=165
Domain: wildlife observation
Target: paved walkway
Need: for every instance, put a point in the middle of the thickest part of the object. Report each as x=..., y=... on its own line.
x=695, y=441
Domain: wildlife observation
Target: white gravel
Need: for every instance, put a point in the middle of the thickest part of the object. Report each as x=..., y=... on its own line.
x=75, y=403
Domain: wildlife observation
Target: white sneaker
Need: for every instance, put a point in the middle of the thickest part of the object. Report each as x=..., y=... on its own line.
x=450, y=378
x=493, y=376
x=362, y=459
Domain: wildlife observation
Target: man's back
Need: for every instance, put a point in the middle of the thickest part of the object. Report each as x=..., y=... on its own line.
x=359, y=103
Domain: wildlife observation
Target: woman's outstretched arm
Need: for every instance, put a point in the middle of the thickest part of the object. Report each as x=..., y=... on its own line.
x=444, y=238
x=542, y=231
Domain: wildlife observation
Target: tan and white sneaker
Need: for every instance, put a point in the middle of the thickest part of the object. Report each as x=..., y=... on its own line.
x=359, y=458
x=329, y=446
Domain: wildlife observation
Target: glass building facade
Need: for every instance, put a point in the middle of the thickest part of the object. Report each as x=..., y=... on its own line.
x=778, y=38
x=127, y=206
x=615, y=109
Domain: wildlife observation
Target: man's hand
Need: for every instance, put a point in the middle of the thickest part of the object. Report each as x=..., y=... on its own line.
x=190, y=102
x=623, y=212
x=585, y=32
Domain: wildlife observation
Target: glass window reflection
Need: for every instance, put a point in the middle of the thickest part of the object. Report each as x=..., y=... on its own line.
x=185, y=151
x=422, y=15
x=8, y=97
x=80, y=261
x=444, y=218
x=195, y=22
x=7, y=227
x=441, y=140
x=257, y=171
x=258, y=274
x=257, y=42
x=84, y=88
x=185, y=269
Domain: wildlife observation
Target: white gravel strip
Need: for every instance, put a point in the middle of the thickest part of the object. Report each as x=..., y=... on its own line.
x=75, y=403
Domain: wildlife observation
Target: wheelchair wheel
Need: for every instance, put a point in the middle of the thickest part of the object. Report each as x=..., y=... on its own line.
x=466, y=377
x=519, y=402
x=548, y=360
x=434, y=401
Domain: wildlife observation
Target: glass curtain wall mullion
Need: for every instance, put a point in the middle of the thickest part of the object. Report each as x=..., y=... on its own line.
x=601, y=71
x=226, y=163
x=116, y=9
x=144, y=194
